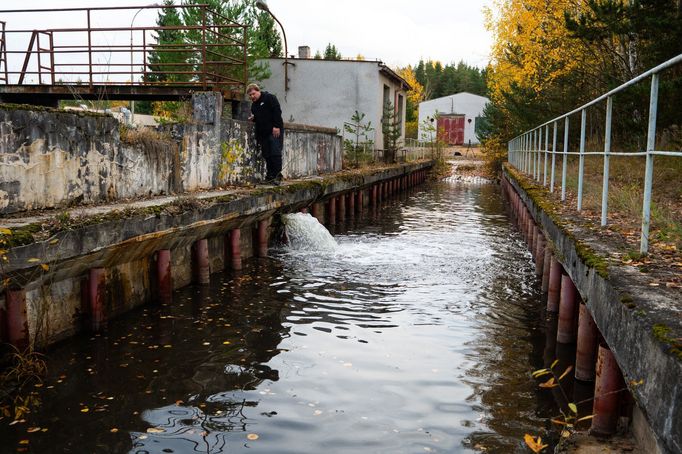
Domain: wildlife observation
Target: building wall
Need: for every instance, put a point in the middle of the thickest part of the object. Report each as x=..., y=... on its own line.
x=327, y=93
x=461, y=103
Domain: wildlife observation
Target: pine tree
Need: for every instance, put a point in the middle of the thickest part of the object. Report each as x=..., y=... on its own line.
x=166, y=56
x=331, y=53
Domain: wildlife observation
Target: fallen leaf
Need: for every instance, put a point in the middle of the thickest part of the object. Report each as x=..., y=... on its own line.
x=45, y=266
x=534, y=445
x=33, y=429
x=33, y=260
x=113, y=430
x=5, y=231
x=85, y=410
x=252, y=437
x=573, y=408
x=155, y=430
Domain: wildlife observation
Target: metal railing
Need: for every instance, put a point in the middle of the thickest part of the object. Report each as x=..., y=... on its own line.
x=526, y=152
x=212, y=54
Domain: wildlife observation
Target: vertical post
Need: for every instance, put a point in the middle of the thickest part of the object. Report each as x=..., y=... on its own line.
x=341, y=212
x=607, y=152
x=235, y=249
x=262, y=238
x=649, y=171
x=565, y=163
x=534, y=149
x=606, y=395
x=89, y=48
x=360, y=201
x=586, y=349
x=554, y=288
x=581, y=164
x=203, y=46
x=96, y=295
x=351, y=204
x=331, y=211
x=201, y=262
x=544, y=173
x=17, y=318
x=540, y=253
x=567, y=330
x=546, y=262
x=163, y=276
x=551, y=180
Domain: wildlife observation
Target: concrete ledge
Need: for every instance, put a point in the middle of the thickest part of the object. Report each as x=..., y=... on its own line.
x=628, y=312
x=309, y=128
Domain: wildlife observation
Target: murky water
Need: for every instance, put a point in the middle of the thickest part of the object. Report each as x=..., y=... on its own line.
x=416, y=334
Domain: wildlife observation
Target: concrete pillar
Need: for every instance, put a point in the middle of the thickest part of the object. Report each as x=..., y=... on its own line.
x=586, y=349
x=554, y=287
x=351, y=204
x=200, y=263
x=606, y=394
x=236, y=249
x=262, y=238
x=163, y=276
x=546, y=264
x=16, y=318
x=540, y=253
x=566, y=331
x=341, y=211
x=97, y=298
x=331, y=211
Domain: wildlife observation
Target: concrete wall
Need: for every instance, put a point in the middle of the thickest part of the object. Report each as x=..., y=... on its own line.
x=327, y=93
x=51, y=158
x=461, y=103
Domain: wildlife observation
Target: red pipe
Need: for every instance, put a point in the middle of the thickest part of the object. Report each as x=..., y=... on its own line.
x=236, y=248
x=262, y=237
x=360, y=201
x=373, y=195
x=163, y=276
x=16, y=318
x=315, y=211
x=547, y=263
x=351, y=204
x=331, y=211
x=97, y=295
x=540, y=253
x=554, y=289
x=607, y=391
x=201, y=262
x=342, y=208
x=586, y=350
x=566, y=330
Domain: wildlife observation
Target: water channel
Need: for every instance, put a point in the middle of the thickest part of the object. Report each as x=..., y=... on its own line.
x=417, y=333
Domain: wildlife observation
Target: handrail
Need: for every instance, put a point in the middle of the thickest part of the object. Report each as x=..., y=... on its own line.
x=525, y=151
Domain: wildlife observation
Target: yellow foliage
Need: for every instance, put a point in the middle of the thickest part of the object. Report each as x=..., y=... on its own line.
x=531, y=47
x=533, y=444
x=416, y=94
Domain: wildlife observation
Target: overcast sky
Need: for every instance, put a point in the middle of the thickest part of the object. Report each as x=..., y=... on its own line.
x=398, y=32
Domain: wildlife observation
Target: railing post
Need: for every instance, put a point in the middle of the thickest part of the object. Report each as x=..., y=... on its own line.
x=649, y=172
x=544, y=172
x=203, y=46
x=538, y=147
x=551, y=180
x=563, y=171
x=607, y=152
x=535, y=147
x=89, y=49
x=581, y=163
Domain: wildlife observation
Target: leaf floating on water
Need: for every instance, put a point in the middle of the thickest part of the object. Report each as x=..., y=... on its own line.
x=45, y=266
x=33, y=429
x=85, y=410
x=252, y=437
x=113, y=430
x=155, y=430
x=534, y=445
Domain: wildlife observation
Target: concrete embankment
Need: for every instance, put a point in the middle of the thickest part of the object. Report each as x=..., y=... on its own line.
x=627, y=331
x=111, y=259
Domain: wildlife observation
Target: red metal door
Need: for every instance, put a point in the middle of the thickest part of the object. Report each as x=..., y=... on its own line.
x=451, y=129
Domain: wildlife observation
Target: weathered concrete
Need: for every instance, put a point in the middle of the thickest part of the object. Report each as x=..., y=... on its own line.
x=125, y=243
x=638, y=322
x=51, y=158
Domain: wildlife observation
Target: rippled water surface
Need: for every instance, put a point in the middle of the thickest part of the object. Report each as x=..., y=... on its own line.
x=416, y=334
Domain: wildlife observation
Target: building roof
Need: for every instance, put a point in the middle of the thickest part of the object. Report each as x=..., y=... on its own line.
x=455, y=95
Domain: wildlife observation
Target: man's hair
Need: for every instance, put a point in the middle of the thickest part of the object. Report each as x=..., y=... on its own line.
x=252, y=87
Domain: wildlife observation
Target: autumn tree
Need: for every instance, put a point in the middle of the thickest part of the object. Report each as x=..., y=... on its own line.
x=414, y=96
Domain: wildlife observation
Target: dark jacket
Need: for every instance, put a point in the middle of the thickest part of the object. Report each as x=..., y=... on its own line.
x=267, y=114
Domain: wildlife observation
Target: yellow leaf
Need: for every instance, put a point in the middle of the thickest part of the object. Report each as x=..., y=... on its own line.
x=54, y=241
x=568, y=369
x=155, y=430
x=33, y=260
x=556, y=361
x=540, y=373
x=113, y=430
x=561, y=423
x=549, y=384
x=23, y=442
x=533, y=444
x=5, y=231
x=565, y=433
x=33, y=429
x=45, y=266
x=573, y=408
x=85, y=410
x=585, y=418
x=252, y=437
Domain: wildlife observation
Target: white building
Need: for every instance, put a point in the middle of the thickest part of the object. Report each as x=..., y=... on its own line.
x=465, y=107
x=328, y=92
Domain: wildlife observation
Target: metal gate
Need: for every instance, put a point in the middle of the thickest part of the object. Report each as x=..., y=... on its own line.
x=451, y=129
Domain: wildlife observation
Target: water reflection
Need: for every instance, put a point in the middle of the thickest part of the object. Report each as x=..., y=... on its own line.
x=417, y=334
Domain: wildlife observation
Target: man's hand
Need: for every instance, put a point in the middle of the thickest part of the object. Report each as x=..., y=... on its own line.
x=275, y=133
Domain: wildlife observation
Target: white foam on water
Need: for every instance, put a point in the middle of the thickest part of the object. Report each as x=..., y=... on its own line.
x=306, y=233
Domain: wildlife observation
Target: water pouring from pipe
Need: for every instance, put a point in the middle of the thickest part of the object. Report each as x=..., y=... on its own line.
x=306, y=233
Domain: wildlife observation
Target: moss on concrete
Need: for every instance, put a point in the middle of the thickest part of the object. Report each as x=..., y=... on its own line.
x=663, y=334
x=627, y=301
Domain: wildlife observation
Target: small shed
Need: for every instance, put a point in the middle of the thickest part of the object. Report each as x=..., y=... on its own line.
x=456, y=116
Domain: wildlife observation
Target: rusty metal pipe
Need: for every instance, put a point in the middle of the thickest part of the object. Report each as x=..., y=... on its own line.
x=16, y=318
x=586, y=349
x=163, y=276
x=606, y=393
x=566, y=331
x=201, y=262
x=235, y=249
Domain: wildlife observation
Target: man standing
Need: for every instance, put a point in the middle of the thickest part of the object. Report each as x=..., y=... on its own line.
x=267, y=114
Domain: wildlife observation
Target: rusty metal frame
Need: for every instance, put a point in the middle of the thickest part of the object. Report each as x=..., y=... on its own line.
x=205, y=55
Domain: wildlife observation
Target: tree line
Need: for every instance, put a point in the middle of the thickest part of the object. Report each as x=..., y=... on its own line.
x=551, y=57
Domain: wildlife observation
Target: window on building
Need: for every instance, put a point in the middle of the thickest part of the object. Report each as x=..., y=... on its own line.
x=401, y=101
x=387, y=95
